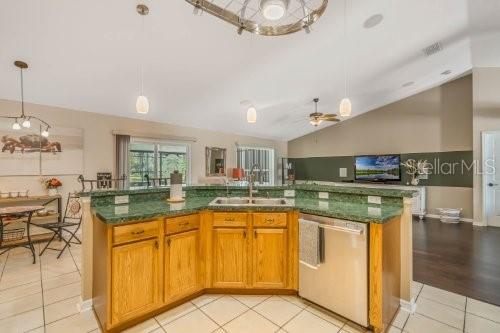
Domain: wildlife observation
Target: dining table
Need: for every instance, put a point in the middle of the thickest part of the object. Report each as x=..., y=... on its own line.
x=16, y=236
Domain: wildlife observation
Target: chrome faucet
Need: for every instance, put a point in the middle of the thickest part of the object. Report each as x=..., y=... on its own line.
x=251, y=179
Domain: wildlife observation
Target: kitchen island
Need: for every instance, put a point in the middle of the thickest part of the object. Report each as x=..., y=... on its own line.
x=149, y=255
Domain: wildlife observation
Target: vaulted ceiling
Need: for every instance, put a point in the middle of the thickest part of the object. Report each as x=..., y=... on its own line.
x=85, y=55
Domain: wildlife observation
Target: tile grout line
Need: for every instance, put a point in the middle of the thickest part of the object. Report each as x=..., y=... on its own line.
x=4, y=264
x=41, y=286
x=289, y=320
x=447, y=305
x=216, y=323
x=251, y=307
x=179, y=316
x=423, y=315
x=465, y=312
x=305, y=309
x=158, y=325
x=485, y=318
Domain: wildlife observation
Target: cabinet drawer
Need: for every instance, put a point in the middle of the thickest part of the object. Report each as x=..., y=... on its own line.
x=267, y=220
x=182, y=223
x=230, y=219
x=137, y=231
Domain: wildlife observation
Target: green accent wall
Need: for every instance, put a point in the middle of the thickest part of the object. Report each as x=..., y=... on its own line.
x=451, y=168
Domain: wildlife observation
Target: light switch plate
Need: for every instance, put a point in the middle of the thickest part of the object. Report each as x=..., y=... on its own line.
x=323, y=195
x=289, y=193
x=374, y=200
x=121, y=199
x=343, y=172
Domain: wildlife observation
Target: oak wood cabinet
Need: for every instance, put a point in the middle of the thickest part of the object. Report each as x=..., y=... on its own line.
x=230, y=253
x=134, y=279
x=181, y=265
x=269, y=257
x=143, y=268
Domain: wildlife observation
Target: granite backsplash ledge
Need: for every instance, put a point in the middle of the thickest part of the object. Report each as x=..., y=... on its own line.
x=334, y=193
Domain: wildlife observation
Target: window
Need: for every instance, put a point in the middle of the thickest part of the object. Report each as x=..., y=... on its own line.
x=264, y=157
x=157, y=160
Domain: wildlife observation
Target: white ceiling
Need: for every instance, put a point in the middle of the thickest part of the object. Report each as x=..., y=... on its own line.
x=85, y=55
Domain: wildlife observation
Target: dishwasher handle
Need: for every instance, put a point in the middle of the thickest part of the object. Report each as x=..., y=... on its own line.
x=343, y=229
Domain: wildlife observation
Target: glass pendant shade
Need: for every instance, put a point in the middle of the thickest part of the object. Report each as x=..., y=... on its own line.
x=273, y=10
x=316, y=122
x=16, y=126
x=26, y=123
x=45, y=133
x=345, y=107
x=251, y=115
x=142, y=105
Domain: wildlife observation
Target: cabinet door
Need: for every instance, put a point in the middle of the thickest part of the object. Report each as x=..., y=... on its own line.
x=181, y=265
x=230, y=258
x=269, y=258
x=134, y=279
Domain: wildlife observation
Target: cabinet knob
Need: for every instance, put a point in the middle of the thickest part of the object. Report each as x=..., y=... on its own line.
x=168, y=241
x=255, y=233
x=244, y=234
x=138, y=232
x=156, y=244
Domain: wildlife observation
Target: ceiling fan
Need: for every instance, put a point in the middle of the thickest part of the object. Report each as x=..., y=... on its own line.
x=316, y=118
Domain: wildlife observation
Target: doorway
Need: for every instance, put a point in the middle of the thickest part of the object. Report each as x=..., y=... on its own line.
x=491, y=177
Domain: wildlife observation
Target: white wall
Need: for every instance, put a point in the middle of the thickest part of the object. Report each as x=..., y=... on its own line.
x=99, y=144
x=486, y=117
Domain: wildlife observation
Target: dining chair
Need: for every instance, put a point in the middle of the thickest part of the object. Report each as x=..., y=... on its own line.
x=68, y=226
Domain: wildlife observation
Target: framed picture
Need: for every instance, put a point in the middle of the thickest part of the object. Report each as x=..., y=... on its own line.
x=20, y=150
x=62, y=152
x=26, y=153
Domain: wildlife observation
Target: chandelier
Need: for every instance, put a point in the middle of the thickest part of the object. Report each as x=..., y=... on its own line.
x=24, y=120
x=264, y=17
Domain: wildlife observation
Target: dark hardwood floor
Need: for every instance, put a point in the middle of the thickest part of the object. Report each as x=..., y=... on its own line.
x=458, y=258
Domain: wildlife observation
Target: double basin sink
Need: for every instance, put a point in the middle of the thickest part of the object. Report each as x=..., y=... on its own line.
x=239, y=201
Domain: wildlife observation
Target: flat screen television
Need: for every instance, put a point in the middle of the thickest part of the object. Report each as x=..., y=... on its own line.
x=377, y=168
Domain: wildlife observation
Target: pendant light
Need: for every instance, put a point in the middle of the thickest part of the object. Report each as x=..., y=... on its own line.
x=142, y=103
x=24, y=121
x=251, y=114
x=345, y=107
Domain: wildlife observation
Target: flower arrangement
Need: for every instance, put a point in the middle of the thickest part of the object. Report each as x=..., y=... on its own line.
x=51, y=183
x=415, y=168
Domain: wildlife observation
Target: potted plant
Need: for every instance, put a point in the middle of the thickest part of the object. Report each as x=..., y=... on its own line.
x=415, y=169
x=51, y=184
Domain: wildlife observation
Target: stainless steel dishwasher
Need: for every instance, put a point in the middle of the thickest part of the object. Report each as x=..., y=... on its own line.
x=340, y=282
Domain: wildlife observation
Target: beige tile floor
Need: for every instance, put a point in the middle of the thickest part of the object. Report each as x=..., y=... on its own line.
x=45, y=298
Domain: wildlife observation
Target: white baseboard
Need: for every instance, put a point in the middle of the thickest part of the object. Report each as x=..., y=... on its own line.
x=436, y=216
x=85, y=305
x=409, y=307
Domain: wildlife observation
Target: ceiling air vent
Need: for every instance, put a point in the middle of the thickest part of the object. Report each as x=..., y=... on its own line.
x=433, y=49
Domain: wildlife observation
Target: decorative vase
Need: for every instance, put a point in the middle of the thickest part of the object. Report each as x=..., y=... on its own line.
x=53, y=191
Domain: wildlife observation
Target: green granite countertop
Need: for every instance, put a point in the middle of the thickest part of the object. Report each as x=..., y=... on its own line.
x=360, y=212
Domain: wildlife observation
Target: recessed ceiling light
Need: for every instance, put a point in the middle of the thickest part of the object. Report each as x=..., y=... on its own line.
x=446, y=72
x=407, y=84
x=373, y=21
